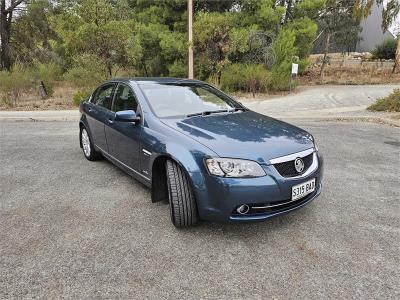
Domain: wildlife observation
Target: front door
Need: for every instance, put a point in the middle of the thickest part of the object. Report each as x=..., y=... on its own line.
x=123, y=138
x=96, y=112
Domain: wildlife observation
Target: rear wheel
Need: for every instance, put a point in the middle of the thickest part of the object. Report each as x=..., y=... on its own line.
x=181, y=198
x=87, y=146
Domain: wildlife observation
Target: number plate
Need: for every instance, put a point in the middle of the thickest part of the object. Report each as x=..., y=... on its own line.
x=303, y=189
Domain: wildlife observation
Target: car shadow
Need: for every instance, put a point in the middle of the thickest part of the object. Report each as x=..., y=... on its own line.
x=278, y=223
x=248, y=230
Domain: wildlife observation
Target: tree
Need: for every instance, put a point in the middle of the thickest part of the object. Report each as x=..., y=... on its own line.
x=363, y=9
x=336, y=22
x=97, y=28
x=149, y=37
x=273, y=33
x=213, y=38
x=32, y=37
x=113, y=43
x=6, y=17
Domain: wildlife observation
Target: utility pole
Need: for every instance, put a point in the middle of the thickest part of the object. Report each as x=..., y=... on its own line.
x=190, y=30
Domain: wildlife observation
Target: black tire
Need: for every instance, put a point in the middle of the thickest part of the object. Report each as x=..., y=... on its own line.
x=90, y=154
x=181, y=198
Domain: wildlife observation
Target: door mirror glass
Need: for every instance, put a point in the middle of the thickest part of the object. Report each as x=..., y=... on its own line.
x=127, y=116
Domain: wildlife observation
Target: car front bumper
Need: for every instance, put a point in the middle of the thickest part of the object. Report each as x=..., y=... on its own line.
x=279, y=210
x=218, y=198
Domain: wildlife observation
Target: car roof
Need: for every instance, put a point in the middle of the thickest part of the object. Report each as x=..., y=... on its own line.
x=144, y=80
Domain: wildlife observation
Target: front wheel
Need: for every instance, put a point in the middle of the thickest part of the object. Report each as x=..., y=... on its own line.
x=87, y=146
x=181, y=198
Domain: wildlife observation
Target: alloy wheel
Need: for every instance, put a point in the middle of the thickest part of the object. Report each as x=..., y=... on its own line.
x=85, y=142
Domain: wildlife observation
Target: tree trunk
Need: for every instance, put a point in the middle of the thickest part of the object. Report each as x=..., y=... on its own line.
x=109, y=68
x=219, y=75
x=5, y=28
x=145, y=67
x=396, y=67
x=289, y=12
x=326, y=50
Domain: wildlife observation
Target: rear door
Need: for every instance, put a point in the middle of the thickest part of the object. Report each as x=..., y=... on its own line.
x=97, y=110
x=123, y=138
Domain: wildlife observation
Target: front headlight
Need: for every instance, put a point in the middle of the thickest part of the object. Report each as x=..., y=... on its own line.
x=230, y=167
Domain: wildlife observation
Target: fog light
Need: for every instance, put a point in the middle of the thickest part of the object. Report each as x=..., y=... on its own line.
x=243, y=209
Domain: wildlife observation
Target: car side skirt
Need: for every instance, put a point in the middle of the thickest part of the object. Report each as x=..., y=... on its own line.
x=135, y=174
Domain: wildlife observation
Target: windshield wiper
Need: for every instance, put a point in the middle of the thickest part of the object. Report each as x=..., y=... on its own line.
x=238, y=108
x=209, y=112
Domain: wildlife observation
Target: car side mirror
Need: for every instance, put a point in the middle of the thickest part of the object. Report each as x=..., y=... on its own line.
x=127, y=116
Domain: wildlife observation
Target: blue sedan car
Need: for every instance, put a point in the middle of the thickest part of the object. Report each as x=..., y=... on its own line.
x=208, y=155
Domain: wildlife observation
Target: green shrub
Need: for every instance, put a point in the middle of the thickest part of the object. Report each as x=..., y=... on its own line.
x=22, y=80
x=246, y=78
x=87, y=71
x=232, y=78
x=303, y=64
x=284, y=46
x=47, y=73
x=281, y=76
x=14, y=83
x=80, y=95
x=385, y=50
x=390, y=103
x=285, y=52
x=177, y=69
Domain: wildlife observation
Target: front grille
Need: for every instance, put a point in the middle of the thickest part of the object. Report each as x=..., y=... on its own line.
x=287, y=169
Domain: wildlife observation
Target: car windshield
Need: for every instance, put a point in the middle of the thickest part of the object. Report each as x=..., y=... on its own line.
x=176, y=100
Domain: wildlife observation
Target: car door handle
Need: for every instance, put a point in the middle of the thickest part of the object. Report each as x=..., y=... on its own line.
x=110, y=121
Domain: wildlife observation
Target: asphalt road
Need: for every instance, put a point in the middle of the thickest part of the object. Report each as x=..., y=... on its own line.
x=76, y=229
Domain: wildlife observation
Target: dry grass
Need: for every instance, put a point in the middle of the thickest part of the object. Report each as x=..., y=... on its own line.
x=390, y=103
x=351, y=69
x=349, y=76
x=396, y=116
x=61, y=99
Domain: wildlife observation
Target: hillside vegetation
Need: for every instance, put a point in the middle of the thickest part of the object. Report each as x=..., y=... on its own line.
x=52, y=46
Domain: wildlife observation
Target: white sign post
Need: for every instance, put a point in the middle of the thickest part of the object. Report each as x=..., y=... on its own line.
x=295, y=71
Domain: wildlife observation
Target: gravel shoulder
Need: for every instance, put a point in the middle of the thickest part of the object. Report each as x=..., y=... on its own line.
x=70, y=228
x=327, y=103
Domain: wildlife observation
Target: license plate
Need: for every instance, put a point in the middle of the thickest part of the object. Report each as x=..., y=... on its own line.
x=303, y=189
